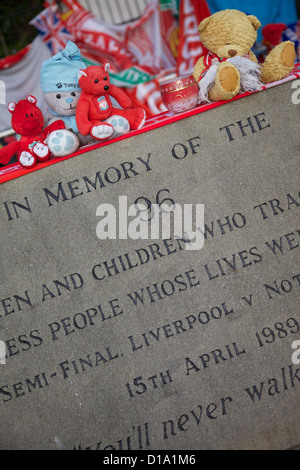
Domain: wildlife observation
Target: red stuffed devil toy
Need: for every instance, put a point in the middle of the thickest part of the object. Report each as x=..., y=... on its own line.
x=95, y=112
x=28, y=121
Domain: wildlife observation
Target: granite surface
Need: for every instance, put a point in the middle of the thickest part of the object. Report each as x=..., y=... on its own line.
x=141, y=343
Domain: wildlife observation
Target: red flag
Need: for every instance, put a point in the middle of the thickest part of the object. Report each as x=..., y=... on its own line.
x=191, y=13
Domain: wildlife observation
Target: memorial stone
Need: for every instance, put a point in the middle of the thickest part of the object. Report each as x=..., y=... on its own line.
x=133, y=343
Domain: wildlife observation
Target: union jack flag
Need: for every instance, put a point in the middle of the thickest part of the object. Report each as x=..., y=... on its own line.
x=52, y=30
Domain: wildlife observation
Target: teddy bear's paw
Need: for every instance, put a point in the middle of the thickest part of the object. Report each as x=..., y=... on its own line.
x=227, y=83
x=279, y=62
x=62, y=143
x=41, y=151
x=102, y=131
x=288, y=55
x=229, y=79
x=120, y=125
x=27, y=160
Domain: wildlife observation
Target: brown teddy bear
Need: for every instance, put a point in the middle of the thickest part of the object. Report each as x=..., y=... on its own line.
x=230, y=66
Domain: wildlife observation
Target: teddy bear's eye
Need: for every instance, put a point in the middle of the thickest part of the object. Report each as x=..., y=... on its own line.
x=104, y=78
x=96, y=81
x=58, y=96
x=73, y=94
x=31, y=115
x=27, y=115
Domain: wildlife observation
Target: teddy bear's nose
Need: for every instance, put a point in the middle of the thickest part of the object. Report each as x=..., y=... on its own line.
x=69, y=100
x=106, y=87
x=232, y=52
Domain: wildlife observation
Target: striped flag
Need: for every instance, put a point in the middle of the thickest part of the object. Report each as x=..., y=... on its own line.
x=191, y=13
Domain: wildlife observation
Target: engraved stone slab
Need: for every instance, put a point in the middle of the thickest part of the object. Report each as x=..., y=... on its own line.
x=141, y=343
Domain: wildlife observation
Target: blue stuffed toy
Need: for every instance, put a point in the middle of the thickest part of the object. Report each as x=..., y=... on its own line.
x=61, y=90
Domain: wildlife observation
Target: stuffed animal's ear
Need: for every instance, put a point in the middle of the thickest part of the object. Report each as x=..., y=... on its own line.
x=107, y=66
x=31, y=99
x=11, y=107
x=255, y=21
x=203, y=24
x=81, y=73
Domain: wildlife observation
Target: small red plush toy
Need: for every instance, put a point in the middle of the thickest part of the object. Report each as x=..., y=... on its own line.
x=28, y=121
x=95, y=114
